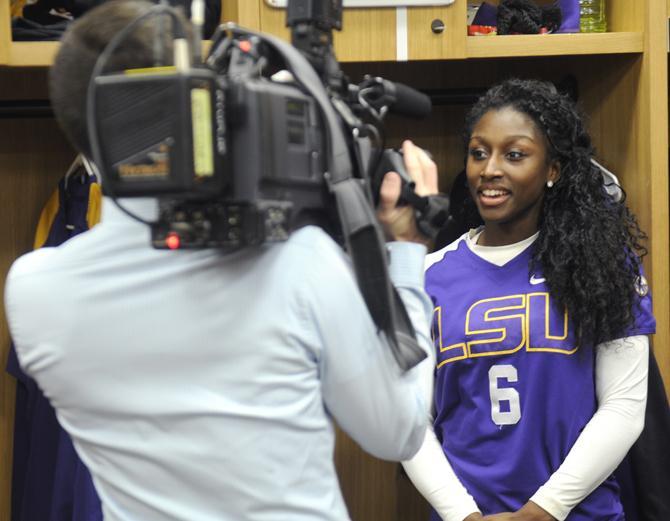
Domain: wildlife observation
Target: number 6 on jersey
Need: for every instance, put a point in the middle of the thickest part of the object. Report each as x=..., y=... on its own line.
x=504, y=394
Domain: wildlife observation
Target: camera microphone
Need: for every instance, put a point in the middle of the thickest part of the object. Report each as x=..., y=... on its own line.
x=395, y=97
x=407, y=101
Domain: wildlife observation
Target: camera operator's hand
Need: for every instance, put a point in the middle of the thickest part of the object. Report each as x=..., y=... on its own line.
x=398, y=221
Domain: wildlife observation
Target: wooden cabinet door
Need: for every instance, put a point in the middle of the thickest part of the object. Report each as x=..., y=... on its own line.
x=388, y=33
x=425, y=44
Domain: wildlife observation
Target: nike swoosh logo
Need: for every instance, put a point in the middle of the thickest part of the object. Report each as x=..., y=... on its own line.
x=536, y=280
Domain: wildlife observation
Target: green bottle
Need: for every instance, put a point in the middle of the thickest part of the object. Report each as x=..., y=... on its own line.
x=592, y=16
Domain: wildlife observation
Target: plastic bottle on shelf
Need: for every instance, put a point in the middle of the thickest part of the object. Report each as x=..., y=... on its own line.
x=592, y=16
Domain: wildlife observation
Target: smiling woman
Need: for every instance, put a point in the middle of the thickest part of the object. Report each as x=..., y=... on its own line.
x=540, y=325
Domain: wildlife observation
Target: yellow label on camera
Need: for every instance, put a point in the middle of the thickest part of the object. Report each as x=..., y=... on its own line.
x=167, y=69
x=201, y=112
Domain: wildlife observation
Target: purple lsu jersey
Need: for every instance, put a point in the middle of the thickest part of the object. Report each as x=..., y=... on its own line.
x=512, y=392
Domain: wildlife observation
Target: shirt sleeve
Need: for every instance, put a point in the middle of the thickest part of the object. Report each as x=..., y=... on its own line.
x=384, y=409
x=436, y=480
x=621, y=390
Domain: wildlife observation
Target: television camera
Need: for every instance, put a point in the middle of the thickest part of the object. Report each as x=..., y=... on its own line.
x=240, y=147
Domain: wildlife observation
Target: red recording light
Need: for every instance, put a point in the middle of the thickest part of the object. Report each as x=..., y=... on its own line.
x=172, y=241
x=245, y=45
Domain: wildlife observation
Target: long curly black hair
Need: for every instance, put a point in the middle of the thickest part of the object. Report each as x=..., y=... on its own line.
x=589, y=246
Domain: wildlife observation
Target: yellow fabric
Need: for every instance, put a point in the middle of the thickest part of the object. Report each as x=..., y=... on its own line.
x=50, y=210
x=17, y=7
x=94, y=205
x=46, y=220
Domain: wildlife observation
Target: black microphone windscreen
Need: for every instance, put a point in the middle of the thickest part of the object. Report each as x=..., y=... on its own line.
x=410, y=102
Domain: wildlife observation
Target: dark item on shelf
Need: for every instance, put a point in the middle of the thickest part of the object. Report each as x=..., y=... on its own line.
x=29, y=30
x=49, y=15
x=526, y=17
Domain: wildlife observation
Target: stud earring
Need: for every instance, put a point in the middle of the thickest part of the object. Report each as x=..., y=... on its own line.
x=550, y=183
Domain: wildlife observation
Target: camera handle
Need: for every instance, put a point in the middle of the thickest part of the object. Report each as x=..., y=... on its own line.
x=432, y=212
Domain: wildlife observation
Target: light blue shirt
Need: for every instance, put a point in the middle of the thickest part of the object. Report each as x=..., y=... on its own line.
x=202, y=386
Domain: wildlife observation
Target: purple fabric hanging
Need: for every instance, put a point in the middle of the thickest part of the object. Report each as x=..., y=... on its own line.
x=486, y=15
x=570, y=11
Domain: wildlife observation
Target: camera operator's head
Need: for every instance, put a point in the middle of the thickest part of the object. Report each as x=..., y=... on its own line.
x=148, y=45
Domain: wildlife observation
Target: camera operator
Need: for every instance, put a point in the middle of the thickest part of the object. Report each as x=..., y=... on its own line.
x=198, y=385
